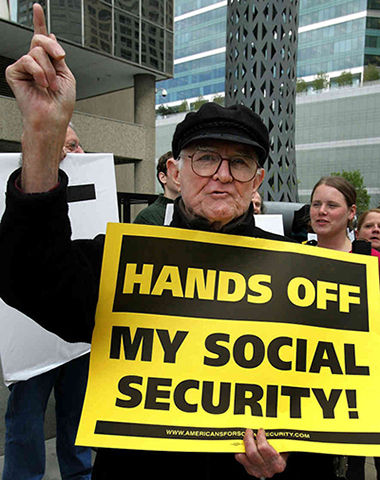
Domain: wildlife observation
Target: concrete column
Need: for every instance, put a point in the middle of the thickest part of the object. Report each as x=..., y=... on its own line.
x=145, y=116
x=261, y=74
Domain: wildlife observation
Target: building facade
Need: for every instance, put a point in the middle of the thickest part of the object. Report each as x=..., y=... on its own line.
x=200, y=46
x=339, y=130
x=336, y=130
x=337, y=36
x=117, y=51
x=333, y=36
x=140, y=31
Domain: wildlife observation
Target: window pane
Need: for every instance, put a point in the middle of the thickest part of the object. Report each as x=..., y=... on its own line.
x=130, y=6
x=152, y=48
x=25, y=12
x=153, y=10
x=169, y=53
x=126, y=36
x=169, y=15
x=97, y=26
x=66, y=16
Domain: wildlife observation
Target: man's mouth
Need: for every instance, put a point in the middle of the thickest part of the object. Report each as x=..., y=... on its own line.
x=219, y=193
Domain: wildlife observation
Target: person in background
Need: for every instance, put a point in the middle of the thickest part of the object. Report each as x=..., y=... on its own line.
x=356, y=468
x=155, y=213
x=24, y=456
x=258, y=204
x=332, y=209
x=369, y=227
x=72, y=144
x=301, y=224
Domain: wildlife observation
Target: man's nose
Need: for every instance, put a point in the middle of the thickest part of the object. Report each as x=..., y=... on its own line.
x=223, y=173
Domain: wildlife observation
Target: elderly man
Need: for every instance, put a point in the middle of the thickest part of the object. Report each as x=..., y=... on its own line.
x=221, y=152
x=72, y=144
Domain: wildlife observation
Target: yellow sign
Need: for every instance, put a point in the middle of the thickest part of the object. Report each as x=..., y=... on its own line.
x=200, y=335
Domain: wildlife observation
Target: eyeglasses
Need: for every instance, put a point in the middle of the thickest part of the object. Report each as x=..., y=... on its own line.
x=206, y=163
x=71, y=146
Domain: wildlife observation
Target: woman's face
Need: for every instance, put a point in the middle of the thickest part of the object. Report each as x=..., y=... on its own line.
x=370, y=229
x=329, y=212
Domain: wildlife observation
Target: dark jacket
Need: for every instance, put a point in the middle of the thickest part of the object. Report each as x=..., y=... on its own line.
x=55, y=281
x=155, y=213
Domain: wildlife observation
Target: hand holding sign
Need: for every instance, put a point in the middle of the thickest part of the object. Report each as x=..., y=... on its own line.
x=44, y=88
x=260, y=459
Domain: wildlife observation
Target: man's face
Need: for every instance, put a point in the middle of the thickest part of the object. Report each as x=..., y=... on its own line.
x=256, y=202
x=219, y=198
x=72, y=144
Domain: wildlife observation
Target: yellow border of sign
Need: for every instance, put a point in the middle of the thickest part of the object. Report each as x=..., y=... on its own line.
x=107, y=282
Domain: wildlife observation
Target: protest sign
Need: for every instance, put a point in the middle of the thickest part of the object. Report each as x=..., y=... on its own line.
x=200, y=335
x=27, y=349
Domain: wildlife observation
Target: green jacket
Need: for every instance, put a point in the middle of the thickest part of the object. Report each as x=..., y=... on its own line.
x=155, y=213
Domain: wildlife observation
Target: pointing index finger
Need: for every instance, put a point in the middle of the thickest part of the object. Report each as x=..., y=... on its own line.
x=39, y=20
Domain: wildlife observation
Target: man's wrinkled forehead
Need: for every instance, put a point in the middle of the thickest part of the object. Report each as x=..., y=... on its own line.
x=215, y=145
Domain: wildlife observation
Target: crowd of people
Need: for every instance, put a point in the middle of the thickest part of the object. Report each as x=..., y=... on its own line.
x=211, y=177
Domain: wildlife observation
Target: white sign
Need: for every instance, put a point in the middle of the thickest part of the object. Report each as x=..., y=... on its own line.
x=270, y=222
x=26, y=349
x=4, y=9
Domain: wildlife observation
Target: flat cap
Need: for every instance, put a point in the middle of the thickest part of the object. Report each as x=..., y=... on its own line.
x=236, y=123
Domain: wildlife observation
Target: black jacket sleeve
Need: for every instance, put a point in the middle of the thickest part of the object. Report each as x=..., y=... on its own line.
x=43, y=273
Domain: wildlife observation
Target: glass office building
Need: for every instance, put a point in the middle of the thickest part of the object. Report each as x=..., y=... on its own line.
x=200, y=46
x=139, y=31
x=335, y=130
x=117, y=50
x=334, y=36
x=338, y=35
x=338, y=130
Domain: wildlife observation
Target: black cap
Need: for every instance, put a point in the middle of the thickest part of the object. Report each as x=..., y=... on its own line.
x=237, y=123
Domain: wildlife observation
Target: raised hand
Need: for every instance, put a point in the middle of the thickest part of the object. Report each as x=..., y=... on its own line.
x=44, y=88
x=260, y=459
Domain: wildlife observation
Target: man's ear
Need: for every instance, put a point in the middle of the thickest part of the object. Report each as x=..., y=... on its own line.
x=162, y=177
x=173, y=170
x=258, y=180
